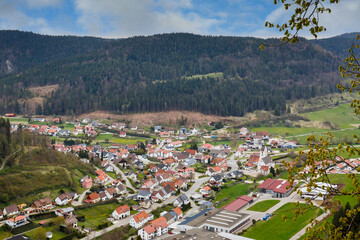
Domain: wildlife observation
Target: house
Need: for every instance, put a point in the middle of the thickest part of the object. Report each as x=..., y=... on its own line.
x=213, y=171
x=205, y=147
x=138, y=220
x=110, y=192
x=178, y=212
x=157, y=227
x=63, y=199
x=206, y=190
x=87, y=183
x=121, y=189
x=182, y=136
x=289, y=145
x=93, y=198
x=168, y=217
x=277, y=187
x=244, y=131
x=16, y=221
x=71, y=221
x=42, y=204
x=1, y=214
x=11, y=210
x=216, y=180
x=109, y=168
x=143, y=195
x=147, y=232
x=122, y=134
x=181, y=200
x=102, y=196
x=146, y=204
x=65, y=212
x=121, y=212
x=157, y=129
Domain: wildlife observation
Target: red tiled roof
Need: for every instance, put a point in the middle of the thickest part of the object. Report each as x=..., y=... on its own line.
x=122, y=209
x=140, y=216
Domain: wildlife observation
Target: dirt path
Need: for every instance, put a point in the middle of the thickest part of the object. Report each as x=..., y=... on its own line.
x=7, y=158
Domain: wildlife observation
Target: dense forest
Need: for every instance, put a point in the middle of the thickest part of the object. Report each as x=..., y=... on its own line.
x=163, y=72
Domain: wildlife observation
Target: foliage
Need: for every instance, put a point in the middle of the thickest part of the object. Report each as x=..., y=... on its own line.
x=306, y=14
x=39, y=234
x=154, y=69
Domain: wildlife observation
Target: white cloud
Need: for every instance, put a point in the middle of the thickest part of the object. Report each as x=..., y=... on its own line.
x=11, y=18
x=43, y=3
x=142, y=17
x=343, y=18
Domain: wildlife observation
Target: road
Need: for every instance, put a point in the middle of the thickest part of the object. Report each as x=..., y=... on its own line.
x=7, y=158
x=80, y=199
x=233, y=163
x=118, y=171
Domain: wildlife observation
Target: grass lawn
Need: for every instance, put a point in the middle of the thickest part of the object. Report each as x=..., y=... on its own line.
x=111, y=174
x=276, y=229
x=56, y=234
x=96, y=215
x=113, y=139
x=342, y=178
x=4, y=235
x=231, y=193
x=212, y=75
x=342, y=115
x=287, y=131
x=263, y=206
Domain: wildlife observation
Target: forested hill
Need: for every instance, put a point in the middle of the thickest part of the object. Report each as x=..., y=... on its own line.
x=165, y=72
x=21, y=50
x=338, y=45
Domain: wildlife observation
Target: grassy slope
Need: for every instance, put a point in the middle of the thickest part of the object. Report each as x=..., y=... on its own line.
x=276, y=229
x=342, y=115
x=263, y=206
x=41, y=173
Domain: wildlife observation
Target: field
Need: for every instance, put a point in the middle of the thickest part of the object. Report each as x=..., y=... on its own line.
x=276, y=229
x=212, y=75
x=109, y=138
x=343, y=116
x=263, y=206
x=229, y=194
x=342, y=178
x=96, y=215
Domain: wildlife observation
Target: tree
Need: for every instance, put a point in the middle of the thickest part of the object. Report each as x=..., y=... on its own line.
x=40, y=234
x=272, y=171
x=321, y=156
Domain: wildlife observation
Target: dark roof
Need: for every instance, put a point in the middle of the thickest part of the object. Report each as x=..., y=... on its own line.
x=102, y=194
x=19, y=237
x=10, y=209
x=267, y=160
x=168, y=216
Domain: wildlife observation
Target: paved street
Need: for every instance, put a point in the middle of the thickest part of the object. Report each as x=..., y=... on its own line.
x=118, y=171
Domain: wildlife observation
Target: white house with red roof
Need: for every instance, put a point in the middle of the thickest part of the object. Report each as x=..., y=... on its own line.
x=121, y=212
x=16, y=221
x=139, y=220
x=278, y=188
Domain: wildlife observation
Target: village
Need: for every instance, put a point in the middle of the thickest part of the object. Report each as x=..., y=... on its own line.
x=169, y=185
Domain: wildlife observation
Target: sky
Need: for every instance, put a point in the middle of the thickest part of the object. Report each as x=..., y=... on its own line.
x=126, y=18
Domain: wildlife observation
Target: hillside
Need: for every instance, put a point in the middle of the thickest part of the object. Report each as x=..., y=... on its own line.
x=338, y=45
x=164, y=72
